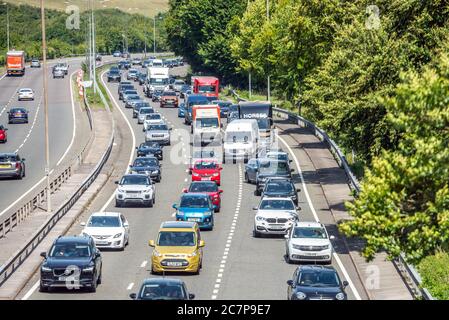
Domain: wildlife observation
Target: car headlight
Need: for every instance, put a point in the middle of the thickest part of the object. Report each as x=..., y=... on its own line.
x=156, y=253
x=180, y=213
x=193, y=254
x=45, y=269
x=89, y=269
x=215, y=174
x=300, y=295
x=195, y=174
x=208, y=213
x=259, y=218
x=293, y=219
x=155, y=171
x=120, y=190
x=147, y=190
x=325, y=247
x=297, y=247
x=340, y=296
x=118, y=235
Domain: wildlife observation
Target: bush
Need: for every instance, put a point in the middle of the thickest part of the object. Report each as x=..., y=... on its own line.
x=434, y=272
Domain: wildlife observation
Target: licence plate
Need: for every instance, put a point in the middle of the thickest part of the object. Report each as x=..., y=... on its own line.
x=62, y=278
x=312, y=254
x=174, y=264
x=101, y=242
x=4, y=166
x=194, y=219
x=205, y=178
x=277, y=227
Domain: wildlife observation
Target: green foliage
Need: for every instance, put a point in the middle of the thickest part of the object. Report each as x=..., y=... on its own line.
x=404, y=203
x=200, y=30
x=111, y=24
x=434, y=272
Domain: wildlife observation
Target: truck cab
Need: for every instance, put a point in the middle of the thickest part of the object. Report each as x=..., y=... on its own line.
x=262, y=112
x=208, y=86
x=157, y=81
x=206, y=124
x=241, y=140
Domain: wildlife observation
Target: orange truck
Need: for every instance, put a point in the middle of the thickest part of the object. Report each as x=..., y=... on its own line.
x=15, y=63
x=206, y=124
x=208, y=86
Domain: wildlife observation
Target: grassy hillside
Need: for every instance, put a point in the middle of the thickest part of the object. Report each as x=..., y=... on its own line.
x=145, y=7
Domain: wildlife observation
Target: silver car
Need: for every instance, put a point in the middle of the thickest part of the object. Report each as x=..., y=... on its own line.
x=12, y=166
x=58, y=73
x=177, y=85
x=158, y=133
x=143, y=113
x=35, y=63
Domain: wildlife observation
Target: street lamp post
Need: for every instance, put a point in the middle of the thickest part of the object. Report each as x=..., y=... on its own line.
x=268, y=78
x=154, y=35
x=93, y=49
x=45, y=95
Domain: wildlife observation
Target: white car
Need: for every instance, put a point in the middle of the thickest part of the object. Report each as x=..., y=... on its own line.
x=274, y=216
x=25, y=94
x=108, y=229
x=308, y=241
x=136, y=189
x=152, y=118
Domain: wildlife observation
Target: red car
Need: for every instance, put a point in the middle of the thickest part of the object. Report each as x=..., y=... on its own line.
x=3, y=134
x=208, y=187
x=206, y=170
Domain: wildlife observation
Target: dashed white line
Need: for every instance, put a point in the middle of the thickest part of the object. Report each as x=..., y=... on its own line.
x=144, y=264
x=130, y=286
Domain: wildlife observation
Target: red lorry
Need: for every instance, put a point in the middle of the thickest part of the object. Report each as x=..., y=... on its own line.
x=209, y=86
x=15, y=63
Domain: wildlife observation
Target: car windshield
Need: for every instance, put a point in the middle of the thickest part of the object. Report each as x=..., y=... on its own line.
x=206, y=165
x=142, y=105
x=146, y=110
x=158, y=81
x=318, y=279
x=145, y=162
x=307, y=233
x=153, y=116
x=176, y=239
x=133, y=97
x=194, y=202
x=149, y=144
x=197, y=102
x=206, y=123
x=70, y=250
x=203, y=187
x=161, y=127
x=276, y=205
x=273, y=167
x=179, y=82
x=162, y=292
x=7, y=158
x=103, y=221
x=279, y=186
x=18, y=110
x=26, y=90
x=131, y=92
x=132, y=71
x=134, y=180
x=127, y=88
x=169, y=94
x=263, y=123
x=278, y=156
x=185, y=88
x=206, y=89
x=114, y=72
x=238, y=136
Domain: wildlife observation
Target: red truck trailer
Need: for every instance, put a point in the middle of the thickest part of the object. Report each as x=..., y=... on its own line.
x=209, y=86
x=15, y=63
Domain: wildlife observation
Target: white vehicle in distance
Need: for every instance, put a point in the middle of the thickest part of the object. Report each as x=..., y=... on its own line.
x=108, y=229
x=308, y=241
x=274, y=216
x=135, y=189
x=241, y=140
x=142, y=114
x=158, y=63
x=25, y=94
x=152, y=118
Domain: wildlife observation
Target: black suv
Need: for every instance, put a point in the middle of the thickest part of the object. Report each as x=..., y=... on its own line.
x=269, y=168
x=150, y=149
x=281, y=187
x=147, y=165
x=316, y=283
x=114, y=75
x=72, y=262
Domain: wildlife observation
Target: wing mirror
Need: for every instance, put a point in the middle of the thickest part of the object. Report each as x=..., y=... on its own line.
x=116, y=182
x=298, y=208
x=292, y=170
x=220, y=191
x=43, y=254
x=345, y=283
x=298, y=190
x=191, y=296
x=255, y=208
x=126, y=224
x=184, y=190
x=202, y=243
x=290, y=283
x=332, y=238
x=286, y=236
x=83, y=224
x=133, y=296
x=174, y=206
x=151, y=243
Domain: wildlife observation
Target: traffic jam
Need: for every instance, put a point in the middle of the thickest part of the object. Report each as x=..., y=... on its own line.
x=222, y=133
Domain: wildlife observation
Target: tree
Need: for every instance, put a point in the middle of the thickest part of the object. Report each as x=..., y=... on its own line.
x=404, y=201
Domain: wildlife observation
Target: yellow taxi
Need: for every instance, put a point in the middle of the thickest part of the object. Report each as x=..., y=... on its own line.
x=178, y=248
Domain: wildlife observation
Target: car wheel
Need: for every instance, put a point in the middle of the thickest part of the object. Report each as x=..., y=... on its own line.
x=256, y=234
x=118, y=204
x=150, y=204
x=258, y=192
x=287, y=258
x=93, y=288
x=246, y=178
x=101, y=273
x=152, y=270
x=19, y=177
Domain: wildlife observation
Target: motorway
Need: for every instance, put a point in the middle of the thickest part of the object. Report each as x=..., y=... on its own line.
x=235, y=265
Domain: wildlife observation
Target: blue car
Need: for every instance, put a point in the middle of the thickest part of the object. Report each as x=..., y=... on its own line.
x=196, y=207
x=18, y=115
x=224, y=107
x=181, y=110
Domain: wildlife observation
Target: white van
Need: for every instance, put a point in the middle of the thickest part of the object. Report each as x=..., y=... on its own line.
x=241, y=140
x=157, y=63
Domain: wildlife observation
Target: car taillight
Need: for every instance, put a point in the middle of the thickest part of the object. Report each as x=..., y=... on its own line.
x=17, y=165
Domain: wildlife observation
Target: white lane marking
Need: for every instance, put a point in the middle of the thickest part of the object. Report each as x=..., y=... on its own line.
x=228, y=242
x=74, y=121
x=32, y=125
x=144, y=264
x=130, y=286
x=30, y=292
x=132, y=134
x=309, y=201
